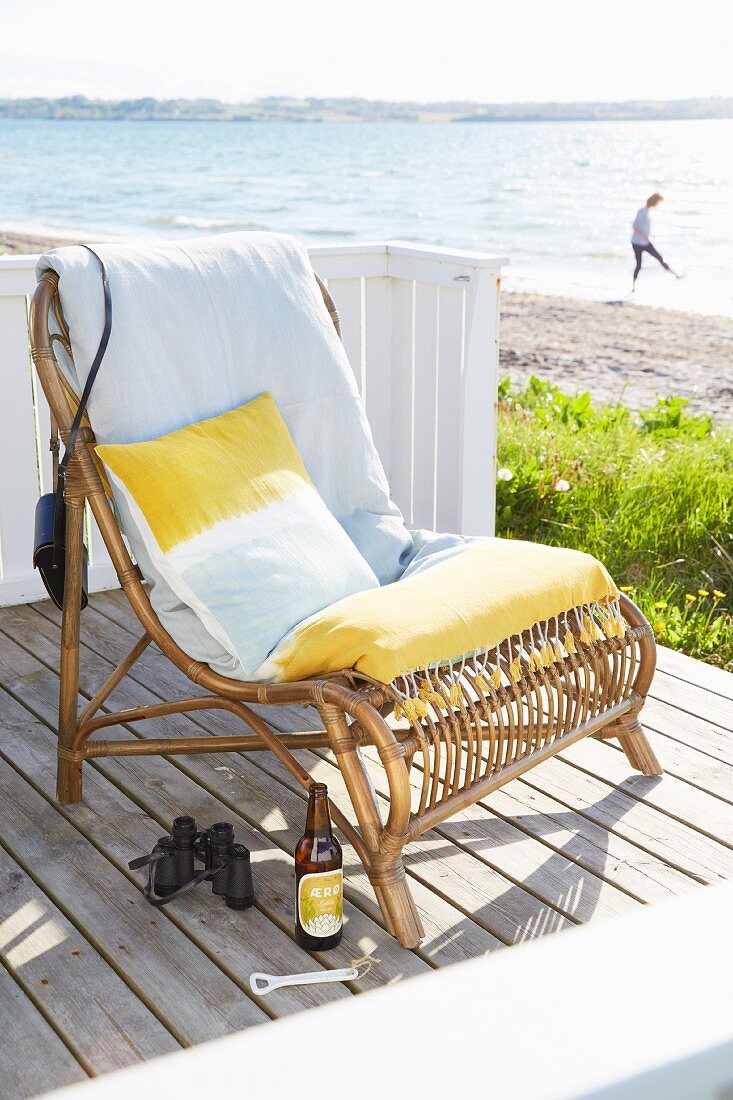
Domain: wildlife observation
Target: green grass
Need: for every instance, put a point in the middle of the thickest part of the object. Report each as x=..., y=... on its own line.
x=650, y=494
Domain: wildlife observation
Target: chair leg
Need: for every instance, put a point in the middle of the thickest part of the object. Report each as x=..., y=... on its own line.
x=68, y=774
x=390, y=884
x=639, y=752
x=386, y=872
x=635, y=744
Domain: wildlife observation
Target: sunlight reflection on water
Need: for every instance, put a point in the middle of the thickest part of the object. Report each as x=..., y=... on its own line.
x=556, y=197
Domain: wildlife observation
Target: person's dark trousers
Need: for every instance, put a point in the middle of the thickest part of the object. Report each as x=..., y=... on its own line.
x=640, y=249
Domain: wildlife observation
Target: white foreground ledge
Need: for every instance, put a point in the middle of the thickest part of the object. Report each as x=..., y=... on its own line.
x=637, y=1006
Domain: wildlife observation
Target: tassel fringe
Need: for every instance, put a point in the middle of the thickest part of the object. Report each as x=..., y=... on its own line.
x=442, y=686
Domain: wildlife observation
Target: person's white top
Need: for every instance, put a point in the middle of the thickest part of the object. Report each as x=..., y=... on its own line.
x=642, y=222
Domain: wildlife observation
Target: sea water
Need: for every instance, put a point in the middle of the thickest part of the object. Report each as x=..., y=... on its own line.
x=557, y=198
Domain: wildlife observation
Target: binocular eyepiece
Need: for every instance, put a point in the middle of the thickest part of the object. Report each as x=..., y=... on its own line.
x=171, y=864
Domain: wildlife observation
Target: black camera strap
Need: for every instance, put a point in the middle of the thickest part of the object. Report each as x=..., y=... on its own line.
x=150, y=860
x=195, y=881
x=59, y=525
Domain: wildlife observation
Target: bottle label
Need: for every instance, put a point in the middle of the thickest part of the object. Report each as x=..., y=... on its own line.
x=320, y=903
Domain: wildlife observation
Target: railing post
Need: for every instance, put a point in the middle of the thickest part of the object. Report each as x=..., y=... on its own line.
x=478, y=442
x=18, y=454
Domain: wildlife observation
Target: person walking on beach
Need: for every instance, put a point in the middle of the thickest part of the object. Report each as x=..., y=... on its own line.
x=641, y=238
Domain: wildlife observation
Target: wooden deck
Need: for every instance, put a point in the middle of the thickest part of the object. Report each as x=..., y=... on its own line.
x=94, y=979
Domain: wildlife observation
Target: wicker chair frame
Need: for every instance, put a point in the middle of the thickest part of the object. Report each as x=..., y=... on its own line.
x=435, y=765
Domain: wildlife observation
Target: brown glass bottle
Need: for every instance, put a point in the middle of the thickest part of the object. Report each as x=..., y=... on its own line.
x=319, y=878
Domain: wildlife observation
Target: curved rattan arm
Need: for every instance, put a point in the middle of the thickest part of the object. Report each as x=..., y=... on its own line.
x=330, y=305
x=647, y=646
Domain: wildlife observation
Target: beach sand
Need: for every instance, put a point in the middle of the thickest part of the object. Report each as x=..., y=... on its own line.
x=619, y=350
x=616, y=350
x=13, y=244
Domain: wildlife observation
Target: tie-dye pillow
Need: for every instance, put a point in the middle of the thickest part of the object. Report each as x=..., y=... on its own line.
x=229, y=516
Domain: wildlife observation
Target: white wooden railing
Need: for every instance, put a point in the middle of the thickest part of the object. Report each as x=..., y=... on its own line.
x=420, y=326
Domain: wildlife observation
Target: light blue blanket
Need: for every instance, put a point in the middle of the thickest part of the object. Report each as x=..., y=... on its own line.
x=200, y=327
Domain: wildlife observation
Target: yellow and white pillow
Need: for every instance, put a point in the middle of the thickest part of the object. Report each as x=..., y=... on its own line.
x=462, y=601
x=232, y=521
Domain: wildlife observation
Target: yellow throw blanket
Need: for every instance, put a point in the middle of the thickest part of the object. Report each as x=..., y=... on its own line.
x=469, y=601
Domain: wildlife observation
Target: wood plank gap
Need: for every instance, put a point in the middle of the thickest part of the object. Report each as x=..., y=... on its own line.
x=687, y=753
x=712, y=678
x=698, y=733
x=642, y=797
x=586, y=812
x=30, y=996
x=84, y=999
x=691, y=698
x=27, y=1032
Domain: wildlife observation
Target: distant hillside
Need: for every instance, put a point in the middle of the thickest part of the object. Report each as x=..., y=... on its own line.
x=284, y=109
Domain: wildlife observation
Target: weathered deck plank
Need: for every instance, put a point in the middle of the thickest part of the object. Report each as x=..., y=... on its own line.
x=698, y=733
x=715, y=680
x=691, y=699
x=675, y=842
x=104, y=1023
x=177, y=981
x=706, y=814
x=709, y=774
x=577, y=839
x=34, y=1057
x=644, y=877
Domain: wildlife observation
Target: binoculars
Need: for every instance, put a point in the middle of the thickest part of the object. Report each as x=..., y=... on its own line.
x=172, y=864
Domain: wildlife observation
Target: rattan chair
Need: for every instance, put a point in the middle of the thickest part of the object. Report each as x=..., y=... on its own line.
x=435, y=765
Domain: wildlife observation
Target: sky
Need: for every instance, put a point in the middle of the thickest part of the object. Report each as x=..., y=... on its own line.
x=481, y=50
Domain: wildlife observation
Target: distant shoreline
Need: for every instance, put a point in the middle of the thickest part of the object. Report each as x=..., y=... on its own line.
x=283, y=109
x=379, y=121
x=619, y=351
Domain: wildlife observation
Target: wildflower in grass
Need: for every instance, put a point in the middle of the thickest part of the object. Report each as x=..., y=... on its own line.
x=562, y=486
x=661, y=604
x=626, y=588
x=703, y=592
x=718, y=594
x=504, y=474
x=689, y=597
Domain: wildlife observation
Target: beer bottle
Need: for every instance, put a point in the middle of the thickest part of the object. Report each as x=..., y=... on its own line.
x=319, y=877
